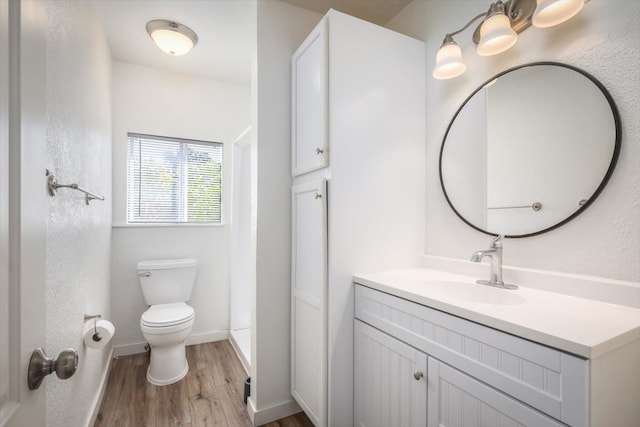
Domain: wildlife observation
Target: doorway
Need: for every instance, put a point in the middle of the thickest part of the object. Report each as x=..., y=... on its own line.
x=241, y=266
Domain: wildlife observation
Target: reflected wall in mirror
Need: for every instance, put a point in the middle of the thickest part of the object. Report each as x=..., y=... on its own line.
x=530, y=149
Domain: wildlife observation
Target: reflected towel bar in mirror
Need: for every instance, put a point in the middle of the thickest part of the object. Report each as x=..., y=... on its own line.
x=536, y=206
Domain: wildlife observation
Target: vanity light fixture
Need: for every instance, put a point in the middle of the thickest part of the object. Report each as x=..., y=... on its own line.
x=554, y=12
x=499, y=29
x=172, y=37
x=496, y=34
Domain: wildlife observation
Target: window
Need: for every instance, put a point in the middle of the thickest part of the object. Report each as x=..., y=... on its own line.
x=173, y=180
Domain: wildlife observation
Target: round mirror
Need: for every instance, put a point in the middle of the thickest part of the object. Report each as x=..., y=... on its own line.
x=530, y=149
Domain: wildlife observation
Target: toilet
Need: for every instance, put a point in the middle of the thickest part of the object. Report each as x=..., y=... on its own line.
x=166, y=286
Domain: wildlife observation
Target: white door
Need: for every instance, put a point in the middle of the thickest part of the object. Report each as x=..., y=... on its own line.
x=309, y=299
x=310, y=95
x=390, y=380
x=22, y=207
x=457, y=400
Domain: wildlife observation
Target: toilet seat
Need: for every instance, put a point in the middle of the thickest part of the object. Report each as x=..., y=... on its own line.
x=166, y=315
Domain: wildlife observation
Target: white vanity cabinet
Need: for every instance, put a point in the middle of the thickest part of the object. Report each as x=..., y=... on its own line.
x=397, y=385
x=476, y=375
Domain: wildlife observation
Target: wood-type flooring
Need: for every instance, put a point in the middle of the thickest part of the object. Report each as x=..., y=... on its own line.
x=210, y=395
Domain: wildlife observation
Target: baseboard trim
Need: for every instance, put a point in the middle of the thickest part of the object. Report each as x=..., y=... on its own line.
x=193, y=339
x=240, y=354
x=127, y=349
x=272, y=413
x=97, y=402
x=204, y=337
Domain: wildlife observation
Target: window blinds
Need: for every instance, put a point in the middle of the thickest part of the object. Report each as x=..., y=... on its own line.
x=172, y=180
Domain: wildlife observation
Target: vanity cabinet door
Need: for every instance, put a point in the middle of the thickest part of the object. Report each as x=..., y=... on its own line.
x=390, y=381
x=310, y=94
x=309, y=300
x=458, y=400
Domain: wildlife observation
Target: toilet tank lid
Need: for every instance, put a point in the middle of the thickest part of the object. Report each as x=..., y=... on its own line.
x=164, y=264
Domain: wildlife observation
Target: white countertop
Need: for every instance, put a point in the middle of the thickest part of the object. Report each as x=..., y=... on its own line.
x=585, y=327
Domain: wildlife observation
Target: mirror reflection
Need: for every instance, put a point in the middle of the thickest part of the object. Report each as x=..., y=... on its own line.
x=529, y=150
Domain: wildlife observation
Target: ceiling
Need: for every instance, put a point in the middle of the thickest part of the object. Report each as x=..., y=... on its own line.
x=377, y=11
x=224, y=29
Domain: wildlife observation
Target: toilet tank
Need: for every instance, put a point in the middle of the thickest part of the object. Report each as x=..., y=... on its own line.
x=168, y=280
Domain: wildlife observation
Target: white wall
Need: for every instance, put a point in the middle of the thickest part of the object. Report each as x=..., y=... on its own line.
x=602, y=40
x=241, y=261
x=155, y=102
x=376, y=190
x=280, y=29
x=78, y=241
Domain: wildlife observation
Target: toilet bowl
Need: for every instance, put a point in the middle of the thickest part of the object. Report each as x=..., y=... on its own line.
x=166, y=327
x=166, y=286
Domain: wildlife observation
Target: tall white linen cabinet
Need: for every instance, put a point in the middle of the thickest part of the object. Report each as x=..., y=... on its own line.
x=358, y=196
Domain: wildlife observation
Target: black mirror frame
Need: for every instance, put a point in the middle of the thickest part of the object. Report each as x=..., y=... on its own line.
x=605, y=179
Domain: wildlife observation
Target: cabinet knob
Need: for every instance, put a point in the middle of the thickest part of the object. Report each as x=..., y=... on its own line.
x=417, y=375
x=319, y=151
x=318, y=195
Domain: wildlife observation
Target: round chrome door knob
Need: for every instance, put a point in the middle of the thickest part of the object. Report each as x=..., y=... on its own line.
x=40, y=366
x=66, y=364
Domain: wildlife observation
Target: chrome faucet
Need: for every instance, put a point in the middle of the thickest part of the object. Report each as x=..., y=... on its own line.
x=495, y=255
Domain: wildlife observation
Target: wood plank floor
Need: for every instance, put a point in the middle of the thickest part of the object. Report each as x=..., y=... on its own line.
x=210, y=395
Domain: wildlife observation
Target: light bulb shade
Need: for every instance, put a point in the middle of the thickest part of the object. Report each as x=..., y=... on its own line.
x=553, y=12
x=449, y=62
x=496, y=35
x=171, y=37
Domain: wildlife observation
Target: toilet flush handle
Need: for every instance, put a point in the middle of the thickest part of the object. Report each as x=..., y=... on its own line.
x=145, y=274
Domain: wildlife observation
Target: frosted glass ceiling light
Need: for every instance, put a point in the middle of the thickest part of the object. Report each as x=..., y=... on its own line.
x=449, y=60
x=496, y=34
x=172, y=37
x=554, y=12
x=500, y=28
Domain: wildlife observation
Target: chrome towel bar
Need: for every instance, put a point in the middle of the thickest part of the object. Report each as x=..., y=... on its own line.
x=52, y=187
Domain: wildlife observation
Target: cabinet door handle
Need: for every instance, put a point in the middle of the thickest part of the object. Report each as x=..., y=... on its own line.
x=318, y=195
x=319, y=151
x=417, y=375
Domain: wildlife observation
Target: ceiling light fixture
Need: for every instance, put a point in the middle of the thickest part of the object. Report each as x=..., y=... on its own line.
x=172, y=37
x=500, y=27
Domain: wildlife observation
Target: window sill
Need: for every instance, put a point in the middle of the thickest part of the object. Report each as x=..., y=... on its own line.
x=166, y=225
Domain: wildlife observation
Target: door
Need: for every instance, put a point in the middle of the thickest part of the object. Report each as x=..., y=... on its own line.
x=457, y=400
x=309, y=300
x=310, y=94
x=22, y=207
x=390, y=380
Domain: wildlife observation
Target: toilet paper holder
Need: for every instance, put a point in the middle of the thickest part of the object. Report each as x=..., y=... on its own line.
x=96, y=335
